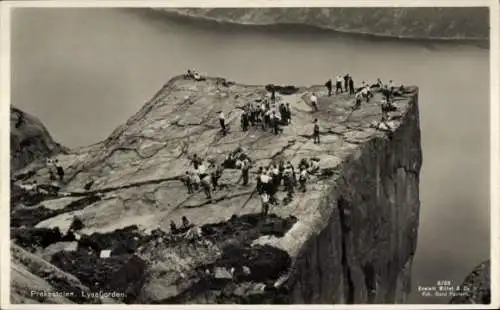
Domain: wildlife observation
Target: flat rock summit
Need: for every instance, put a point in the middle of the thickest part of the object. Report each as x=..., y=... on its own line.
x=349, y=239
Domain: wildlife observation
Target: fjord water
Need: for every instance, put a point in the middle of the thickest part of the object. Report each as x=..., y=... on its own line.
x=83, y=72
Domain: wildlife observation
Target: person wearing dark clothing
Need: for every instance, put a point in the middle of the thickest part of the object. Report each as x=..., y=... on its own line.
x=316, y=132
x=329, y=86
x=59, y=170
x=346, y=83
x=188, y=182
x=288, y=113
x=215, y=175
x=185, y=222
x=206, y=187
x=283, y=113
x=351, y=86
x=273, y=95
x=173, y=227
x=275, y=123
x=259, y=186
x=244, y=121
x=196, y=161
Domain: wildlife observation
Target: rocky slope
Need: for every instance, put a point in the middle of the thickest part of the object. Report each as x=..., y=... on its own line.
x=478, y=285
x=419, y=23
x=29, y=140
x=350, y=239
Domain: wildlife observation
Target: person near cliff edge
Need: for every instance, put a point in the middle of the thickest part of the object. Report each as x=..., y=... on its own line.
x=316, y=132
x=329, y=86
x=303, y=179
x=346, y=83
x=314, y=101
x=59, y=169
x=222, y=121
x=338, y=85
x=351, y=86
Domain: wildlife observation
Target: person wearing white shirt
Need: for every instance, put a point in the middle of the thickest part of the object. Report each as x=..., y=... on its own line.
x=314, y=101
x=338, y=84
x=222, y=121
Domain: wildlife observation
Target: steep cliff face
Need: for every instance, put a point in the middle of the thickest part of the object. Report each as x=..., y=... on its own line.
x=349, y=239
x=29, y=140
x=477, y=286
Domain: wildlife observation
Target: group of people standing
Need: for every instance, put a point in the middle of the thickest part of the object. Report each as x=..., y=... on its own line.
x=347, y=81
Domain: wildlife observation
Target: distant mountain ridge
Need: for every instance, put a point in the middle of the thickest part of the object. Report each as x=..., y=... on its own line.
x=446, y=23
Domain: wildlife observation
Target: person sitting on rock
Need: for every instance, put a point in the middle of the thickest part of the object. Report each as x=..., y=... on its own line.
x=314, y=165
x=196, y=76
x=358, y=97
x=314, y=101
x=185, y=223
x=189, y=74
x=316, y=132
x=173, y=227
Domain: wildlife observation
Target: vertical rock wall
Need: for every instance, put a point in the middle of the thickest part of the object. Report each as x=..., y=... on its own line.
x=365, y=252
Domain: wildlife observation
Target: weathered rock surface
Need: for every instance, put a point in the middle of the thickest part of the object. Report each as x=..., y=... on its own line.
x=349, y=239
x=477, y=285
x=29, y=140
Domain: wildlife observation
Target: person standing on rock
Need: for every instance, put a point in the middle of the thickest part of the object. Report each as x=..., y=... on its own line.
x=275, y=121
x=338, y=85
x=187, y=181
x=265, y=203
x=346, y=83
x=222, y=121
x=273, y=95
x=303, y=179
x=59, y=169
x=329, y=86
x=215, y=175
x=288, y=113
x=351, y=86
x=244, y=121
x=316, y=132
x=245, y=167
x=50, y=167
x=314, y=101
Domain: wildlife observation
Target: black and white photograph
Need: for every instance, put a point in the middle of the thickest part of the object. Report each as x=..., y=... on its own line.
x=334, y=153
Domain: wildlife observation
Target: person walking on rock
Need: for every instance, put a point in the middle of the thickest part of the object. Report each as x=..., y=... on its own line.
x=314, y=101
x=338, y=85
x=316, y=132
x=329, y=86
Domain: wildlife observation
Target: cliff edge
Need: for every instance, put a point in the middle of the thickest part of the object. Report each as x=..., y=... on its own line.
x=477, y=286
x=349, y=239
x=29, y=140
